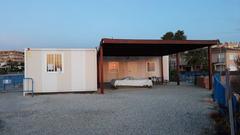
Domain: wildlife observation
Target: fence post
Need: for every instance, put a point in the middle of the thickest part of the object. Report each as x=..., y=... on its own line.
x=4, y=87
x=230, y=105
x=32, y=88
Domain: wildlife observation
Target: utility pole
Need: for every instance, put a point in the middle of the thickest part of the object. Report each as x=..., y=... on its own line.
x=229, y=100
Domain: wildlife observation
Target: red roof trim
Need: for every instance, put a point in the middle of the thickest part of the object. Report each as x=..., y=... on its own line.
x=157, y=42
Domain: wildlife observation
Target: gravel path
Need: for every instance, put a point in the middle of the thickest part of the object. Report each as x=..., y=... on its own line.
x=162, y=110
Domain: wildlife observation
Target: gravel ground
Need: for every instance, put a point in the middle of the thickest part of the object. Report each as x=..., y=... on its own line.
x=165, y=110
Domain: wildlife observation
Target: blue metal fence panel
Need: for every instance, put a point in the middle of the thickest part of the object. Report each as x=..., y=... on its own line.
x=190, y=76
x=219, y=92
x=235, y=104
x=12, y=79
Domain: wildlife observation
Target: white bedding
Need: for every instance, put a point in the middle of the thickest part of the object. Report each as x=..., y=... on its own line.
x=133, y=82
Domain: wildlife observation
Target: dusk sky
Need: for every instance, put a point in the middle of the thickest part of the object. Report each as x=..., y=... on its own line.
x=76, y=23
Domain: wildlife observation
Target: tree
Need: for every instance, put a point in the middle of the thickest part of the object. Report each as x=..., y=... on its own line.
x=178, y=35
x=192, y=58
x=13, y=66
x=168, y=36
x=196, y=58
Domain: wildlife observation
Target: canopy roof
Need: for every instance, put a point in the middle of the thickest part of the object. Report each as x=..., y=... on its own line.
x=140, y=47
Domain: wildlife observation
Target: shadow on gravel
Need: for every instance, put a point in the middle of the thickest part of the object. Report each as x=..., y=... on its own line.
x=220, y=124
x=2, y=123
x=207, y=131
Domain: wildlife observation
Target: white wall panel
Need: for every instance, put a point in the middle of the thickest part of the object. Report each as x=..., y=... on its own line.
x=166, y=67
x=79, y=70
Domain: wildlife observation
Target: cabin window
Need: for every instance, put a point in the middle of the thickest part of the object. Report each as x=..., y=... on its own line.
x=54, y=62
x=113, y=67
x=150, y=66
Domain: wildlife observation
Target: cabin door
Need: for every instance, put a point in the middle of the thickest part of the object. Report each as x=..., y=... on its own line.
x=132, y=69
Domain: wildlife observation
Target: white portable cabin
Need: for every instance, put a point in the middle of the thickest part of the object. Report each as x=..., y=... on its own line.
x=61, y=70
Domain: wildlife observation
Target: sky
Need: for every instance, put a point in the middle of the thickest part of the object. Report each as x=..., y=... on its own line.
x=82, y=24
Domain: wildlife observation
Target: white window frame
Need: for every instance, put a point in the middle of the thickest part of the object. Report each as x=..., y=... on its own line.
x=147, y=66
x=117, y=67
x=232, y=56
x=54, y=72
x=221, y=57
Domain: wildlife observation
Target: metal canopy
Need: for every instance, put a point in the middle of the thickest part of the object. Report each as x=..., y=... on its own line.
x=140, y=47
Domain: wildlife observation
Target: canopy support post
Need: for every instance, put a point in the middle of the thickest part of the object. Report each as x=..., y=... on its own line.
x=210, y=67
x=161, y=60
x=177, y=68
x=101, y=70
x=98, y=73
